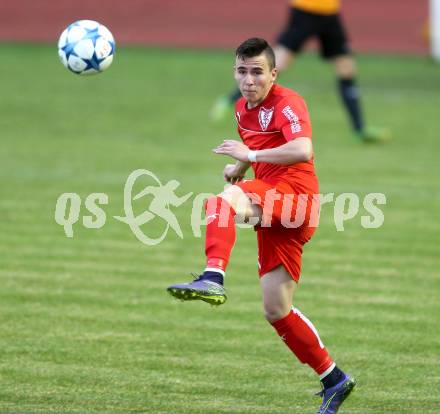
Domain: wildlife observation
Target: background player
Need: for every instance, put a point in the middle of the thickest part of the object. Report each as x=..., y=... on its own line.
x=274, y=125
x=320, y=19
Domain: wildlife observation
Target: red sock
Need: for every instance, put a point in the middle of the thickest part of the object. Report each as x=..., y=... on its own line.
x=301, y=337
x=220, y=233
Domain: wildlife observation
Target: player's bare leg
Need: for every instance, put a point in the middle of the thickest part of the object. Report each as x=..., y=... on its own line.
x=278, y=289
x=346, y=72
x=283, y=57
x=345, y=66
x=221, y=213
x=244, y=208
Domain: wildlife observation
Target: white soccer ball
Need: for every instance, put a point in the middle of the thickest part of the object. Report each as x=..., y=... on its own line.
x=86, y=47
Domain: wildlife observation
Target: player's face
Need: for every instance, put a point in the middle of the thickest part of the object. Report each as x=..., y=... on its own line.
x=254, y=78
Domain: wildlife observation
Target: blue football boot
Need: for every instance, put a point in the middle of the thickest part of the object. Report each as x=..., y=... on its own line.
x=333, y=397
x=200, y=289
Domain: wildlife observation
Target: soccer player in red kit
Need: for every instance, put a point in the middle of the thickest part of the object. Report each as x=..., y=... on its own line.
x=282, y=201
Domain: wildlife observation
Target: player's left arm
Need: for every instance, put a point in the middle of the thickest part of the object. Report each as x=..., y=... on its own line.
x=292, y=152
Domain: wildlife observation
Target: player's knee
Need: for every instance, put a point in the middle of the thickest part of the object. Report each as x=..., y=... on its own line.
x=231, y=193
x=274, y=313
x=283, y=57
x=345, y=67
x=236, y=198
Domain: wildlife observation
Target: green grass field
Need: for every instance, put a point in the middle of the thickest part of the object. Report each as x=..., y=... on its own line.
x=86, y=324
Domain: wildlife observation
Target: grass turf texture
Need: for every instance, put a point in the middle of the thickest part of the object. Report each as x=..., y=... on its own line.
x=86, y=324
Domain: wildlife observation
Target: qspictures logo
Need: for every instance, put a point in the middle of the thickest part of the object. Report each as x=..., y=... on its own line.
x=162, y=200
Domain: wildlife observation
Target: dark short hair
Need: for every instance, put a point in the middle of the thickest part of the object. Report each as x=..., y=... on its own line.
x=256, y=46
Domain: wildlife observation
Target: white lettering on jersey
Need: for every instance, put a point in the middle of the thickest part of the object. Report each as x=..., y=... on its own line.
x=292, y=117
x=264, y=117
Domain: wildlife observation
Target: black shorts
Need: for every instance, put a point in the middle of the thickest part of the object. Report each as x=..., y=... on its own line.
x=329, y=30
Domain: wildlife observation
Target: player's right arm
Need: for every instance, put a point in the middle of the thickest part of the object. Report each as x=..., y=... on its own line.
x=292, y=152
x=234, y=173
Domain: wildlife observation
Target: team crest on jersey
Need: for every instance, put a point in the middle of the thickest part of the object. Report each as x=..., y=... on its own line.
x=264, y=117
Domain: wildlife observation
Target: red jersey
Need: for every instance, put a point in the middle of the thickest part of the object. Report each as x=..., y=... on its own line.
x=281, y=117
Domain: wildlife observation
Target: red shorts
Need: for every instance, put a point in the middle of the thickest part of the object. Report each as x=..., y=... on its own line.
x=289, y=220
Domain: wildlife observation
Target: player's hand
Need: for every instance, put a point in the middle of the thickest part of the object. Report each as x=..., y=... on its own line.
x=232, y=173
x=234, y=149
